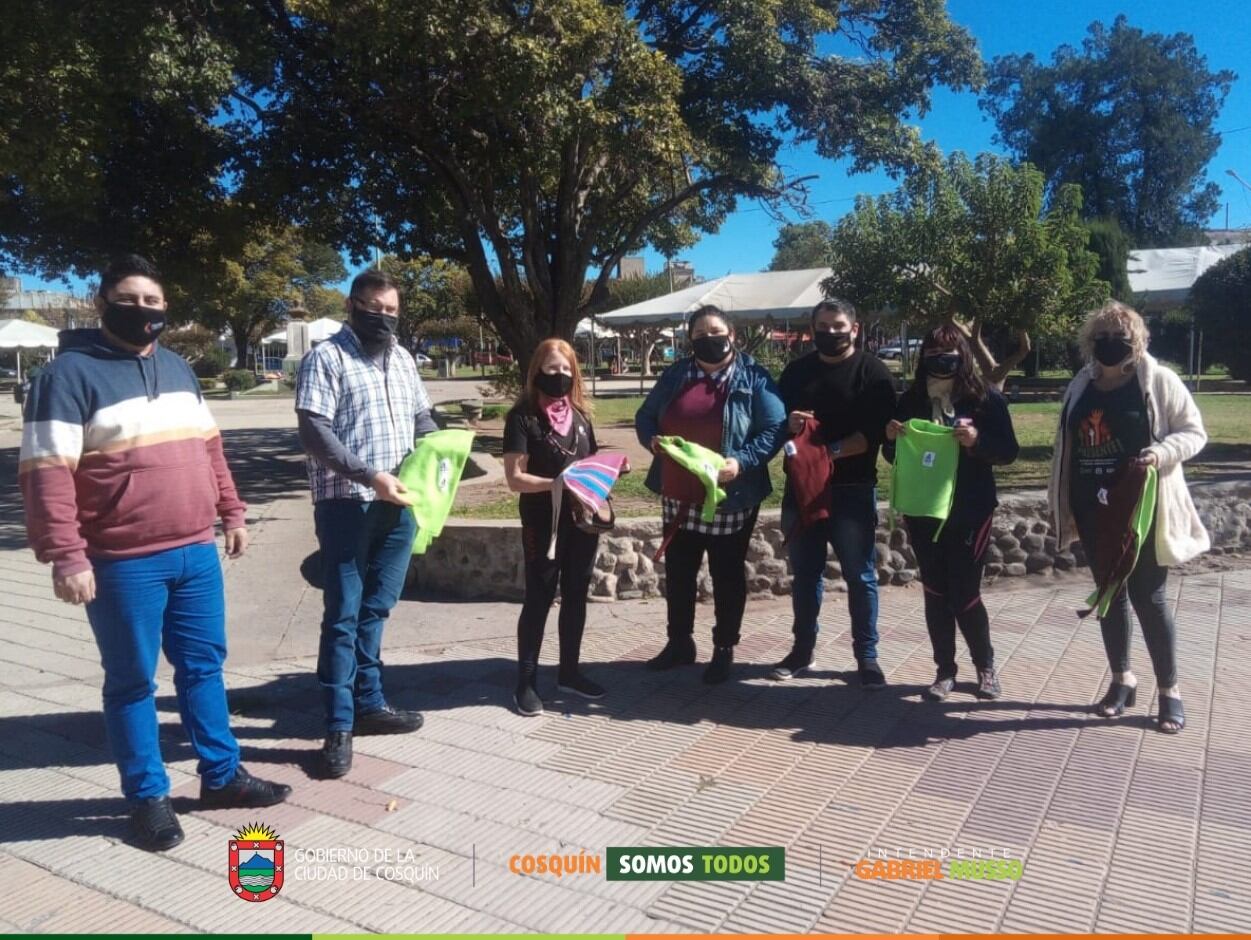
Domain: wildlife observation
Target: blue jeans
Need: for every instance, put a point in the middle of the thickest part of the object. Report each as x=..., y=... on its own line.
x=172, y=599
x=852, y=531
x=365, y=550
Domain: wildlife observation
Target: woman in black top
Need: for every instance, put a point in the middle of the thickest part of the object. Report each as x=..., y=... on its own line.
x=546, y=430
x=947, y=390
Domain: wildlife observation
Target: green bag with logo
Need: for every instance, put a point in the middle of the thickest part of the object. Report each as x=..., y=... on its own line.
x=702, y=462
x=431, y=473
x=923, y=480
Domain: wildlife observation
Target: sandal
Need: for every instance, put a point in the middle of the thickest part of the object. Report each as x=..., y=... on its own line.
x=1171, y=711
x=1118, y=698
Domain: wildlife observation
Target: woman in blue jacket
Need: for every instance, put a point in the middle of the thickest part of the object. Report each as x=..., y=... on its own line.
x=723, y=400
x=948, y=391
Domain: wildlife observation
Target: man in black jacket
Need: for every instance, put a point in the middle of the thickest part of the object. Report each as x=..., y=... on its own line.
x=850, y=394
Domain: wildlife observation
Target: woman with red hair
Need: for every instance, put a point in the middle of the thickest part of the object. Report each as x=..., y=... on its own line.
x=546, y=430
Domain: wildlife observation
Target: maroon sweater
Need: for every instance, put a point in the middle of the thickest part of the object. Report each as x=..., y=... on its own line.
x=695, y=414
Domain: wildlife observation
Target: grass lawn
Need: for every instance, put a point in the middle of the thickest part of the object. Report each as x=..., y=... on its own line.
x=1227, y=418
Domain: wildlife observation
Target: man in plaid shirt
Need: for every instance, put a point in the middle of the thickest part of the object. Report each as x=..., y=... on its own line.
x=361, y=405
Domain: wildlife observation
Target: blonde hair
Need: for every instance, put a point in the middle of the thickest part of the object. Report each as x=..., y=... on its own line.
x=577, y=396
x=1113, y=314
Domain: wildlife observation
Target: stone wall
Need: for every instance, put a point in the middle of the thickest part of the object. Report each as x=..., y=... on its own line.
x=483, y=559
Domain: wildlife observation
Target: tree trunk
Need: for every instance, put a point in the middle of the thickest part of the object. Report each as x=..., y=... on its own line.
x=240, y=332
x=647, y=348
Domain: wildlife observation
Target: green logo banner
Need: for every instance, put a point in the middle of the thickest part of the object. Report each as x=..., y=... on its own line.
x=715, y=863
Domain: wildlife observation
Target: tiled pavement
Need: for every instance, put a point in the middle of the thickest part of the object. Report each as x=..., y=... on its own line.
x=1120, y=828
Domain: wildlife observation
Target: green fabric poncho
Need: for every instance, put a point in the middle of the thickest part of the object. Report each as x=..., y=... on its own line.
x=923, y=480
x=702, y=462
x=431, y=473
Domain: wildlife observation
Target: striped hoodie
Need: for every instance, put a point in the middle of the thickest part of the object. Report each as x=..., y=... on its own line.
x=120, y=456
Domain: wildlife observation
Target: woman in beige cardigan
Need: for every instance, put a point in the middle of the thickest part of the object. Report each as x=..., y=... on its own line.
x=1126, y=406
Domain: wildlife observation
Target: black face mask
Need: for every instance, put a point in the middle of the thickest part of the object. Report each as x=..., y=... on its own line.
x=711, y=349
x=372, y=328
x=554, y=384
x=831, y=344
x=132, y=324
x=1112, y=350
x=942, y=366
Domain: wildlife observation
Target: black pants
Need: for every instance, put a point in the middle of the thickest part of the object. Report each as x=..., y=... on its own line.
x=1145, y=590
x=571, y=570
x=726, y=556
x=951, y=575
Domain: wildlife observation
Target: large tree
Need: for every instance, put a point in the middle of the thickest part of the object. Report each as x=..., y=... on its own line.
x=972, y=244
x=1221, y=303
x=534, y=142
x=801, y=245
x=438, y=299
x=247, y=286
x=117, y=131
x=1128, y=118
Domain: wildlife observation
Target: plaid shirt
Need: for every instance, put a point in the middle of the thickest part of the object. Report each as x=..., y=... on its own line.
x=688, y=514
x=372, y=407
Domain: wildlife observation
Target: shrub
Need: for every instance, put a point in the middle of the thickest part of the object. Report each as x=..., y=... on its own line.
x=211, y=364
x=207, y=384
x=506, y=384
x=239, y=380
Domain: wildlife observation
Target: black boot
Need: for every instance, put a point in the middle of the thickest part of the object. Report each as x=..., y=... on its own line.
x=387, y=720
x=244, y=792
x=336, y=755
x=154, y=826
x=797, y=662
x=679, y=651
x=719, y=669
x=526, y=697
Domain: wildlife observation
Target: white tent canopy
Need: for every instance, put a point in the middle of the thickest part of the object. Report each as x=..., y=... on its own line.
x=22, y=334
x=1162, y=277
x=780, y=295
x=318, y=330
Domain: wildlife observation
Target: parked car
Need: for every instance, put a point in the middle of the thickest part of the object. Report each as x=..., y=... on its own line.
x=423, y=361
x=895, y=349
x=7, y=373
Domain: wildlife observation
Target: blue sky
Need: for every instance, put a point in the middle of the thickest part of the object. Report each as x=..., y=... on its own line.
x=1222, y=32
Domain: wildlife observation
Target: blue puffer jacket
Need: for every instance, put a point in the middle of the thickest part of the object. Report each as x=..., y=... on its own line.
x=753, y=426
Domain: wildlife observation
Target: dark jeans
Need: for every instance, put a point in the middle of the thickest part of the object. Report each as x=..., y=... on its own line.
x=365, y=550
x=171, y=599
x=727, y=554
x=571, y=571
x=951, y=576
x=1145, y=590
x=852, y=531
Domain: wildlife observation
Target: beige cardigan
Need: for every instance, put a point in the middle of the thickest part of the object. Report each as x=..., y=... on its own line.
x=1177, y=435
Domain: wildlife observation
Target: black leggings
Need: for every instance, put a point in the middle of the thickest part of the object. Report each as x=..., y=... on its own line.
x=951, y=575
x=571, y=569
x=1145, y=590
x=727, y=555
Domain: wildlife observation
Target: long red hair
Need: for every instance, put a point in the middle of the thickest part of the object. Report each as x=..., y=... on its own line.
x=577, y=396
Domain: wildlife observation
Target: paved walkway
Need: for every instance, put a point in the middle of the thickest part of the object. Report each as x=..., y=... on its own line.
x=1120, y=828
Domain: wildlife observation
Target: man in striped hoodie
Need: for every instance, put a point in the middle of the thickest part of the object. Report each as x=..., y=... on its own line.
x=123, y=476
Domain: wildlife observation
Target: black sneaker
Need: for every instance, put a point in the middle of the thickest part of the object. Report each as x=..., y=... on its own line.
x=527, y=700
x=797, y=662
x=870, y=673
x=387, y=720
x=154, y=826
x=988, y=684
x=244, y=792
x=941, y=688
x=336, y=754
x=677, y=652
x=719, y=669
x=579, y=684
